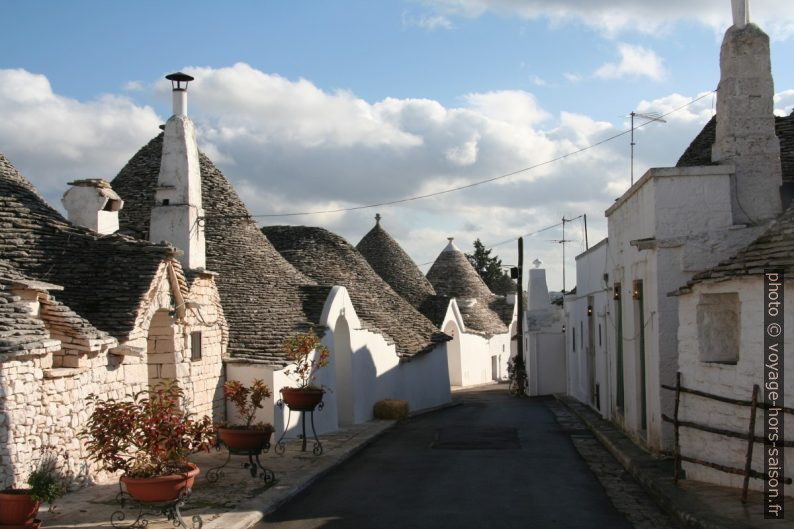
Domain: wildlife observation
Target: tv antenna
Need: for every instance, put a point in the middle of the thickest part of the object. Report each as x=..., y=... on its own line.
x=651, y=116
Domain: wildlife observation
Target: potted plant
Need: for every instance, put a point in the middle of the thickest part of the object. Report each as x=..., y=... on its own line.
x=299, y=348
x=48, y=481
x=148, y=438
x=246, y=437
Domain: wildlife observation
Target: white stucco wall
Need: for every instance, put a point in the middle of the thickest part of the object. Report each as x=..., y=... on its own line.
x=734, y=381
x=363, y=369
x=687, y=214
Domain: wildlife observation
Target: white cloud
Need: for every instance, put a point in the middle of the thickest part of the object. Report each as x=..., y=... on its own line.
x=133, y=86
x=613, y=17
x=289, y=146
x=537, y=81
x=635, y=61
x=784, y=102
x=55, y=139
x=428, y=22
x=572, y=77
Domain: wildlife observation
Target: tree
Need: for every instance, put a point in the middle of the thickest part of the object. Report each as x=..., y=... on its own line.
x=489, y=268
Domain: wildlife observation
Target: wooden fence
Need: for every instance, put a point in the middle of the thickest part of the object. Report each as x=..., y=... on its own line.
x=747, y=472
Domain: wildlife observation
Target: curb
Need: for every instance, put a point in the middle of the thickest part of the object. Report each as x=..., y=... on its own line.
x=254, y=510
x=685, y=508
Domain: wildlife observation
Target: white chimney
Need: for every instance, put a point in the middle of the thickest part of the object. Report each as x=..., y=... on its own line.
x=745, y=134
x=538, y=288
x=177, y=216
x=93, y=204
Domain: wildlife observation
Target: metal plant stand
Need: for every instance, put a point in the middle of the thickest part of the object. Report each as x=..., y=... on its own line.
x=142, y=511
x=281, y=447
x=254, y=465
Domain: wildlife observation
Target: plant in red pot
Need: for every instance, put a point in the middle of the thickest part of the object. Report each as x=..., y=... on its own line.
x=48, y=481
x=301, y=348
x=148, y=437
x=246, y=437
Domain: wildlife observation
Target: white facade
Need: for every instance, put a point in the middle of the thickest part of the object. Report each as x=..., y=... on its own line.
x=544, y=340
x=670, y=224
x=590, y=332
x=729, y=379
x=362, y=370
x=474, y=358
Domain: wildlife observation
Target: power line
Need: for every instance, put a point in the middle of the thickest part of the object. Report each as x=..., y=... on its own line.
x=467, y=186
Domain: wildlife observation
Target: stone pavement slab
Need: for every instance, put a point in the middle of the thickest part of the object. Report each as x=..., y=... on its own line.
x=693, y=504
x=236, y=500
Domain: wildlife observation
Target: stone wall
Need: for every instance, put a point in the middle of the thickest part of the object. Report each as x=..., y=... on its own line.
x=44, y=404
x=728, y=380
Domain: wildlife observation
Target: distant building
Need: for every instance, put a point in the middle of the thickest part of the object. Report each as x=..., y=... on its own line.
x=544, y=338
x=673, y=223
x=481, y=324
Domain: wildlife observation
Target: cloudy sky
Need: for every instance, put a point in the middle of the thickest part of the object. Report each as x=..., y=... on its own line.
x=314, y=106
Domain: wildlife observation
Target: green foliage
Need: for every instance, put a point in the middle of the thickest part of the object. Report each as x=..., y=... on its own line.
x=49, y=480
x=489, y=268
x=246, y=400
x=149, y=435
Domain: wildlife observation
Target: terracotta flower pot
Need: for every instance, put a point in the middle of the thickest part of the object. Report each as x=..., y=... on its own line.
x=302, y=399
x=242, y=440
x=17, y=507
x=160, y=488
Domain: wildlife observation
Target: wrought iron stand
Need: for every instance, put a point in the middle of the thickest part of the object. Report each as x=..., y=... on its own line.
x=253, y=465
x=281, y=447
x=141, y=511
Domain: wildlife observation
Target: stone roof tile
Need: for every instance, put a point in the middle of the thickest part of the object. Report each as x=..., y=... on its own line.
x=329, y=259
x=452, y=276
x=104, y=277
x=264, y=298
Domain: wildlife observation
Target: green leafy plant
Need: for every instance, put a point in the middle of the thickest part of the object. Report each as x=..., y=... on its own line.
x=50, y=479
x=299, y=348
x=149, y=435
x=247, y=400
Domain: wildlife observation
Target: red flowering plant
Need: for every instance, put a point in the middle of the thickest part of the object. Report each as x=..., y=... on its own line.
x=247, y=400
x=150, y=434
x=299, y=349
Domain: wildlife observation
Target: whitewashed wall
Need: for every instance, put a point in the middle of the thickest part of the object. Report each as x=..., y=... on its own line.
x=363, y=369
x=734, y=381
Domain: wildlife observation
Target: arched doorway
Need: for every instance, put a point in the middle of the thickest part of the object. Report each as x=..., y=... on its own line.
x=454, y=354
x=343, y=361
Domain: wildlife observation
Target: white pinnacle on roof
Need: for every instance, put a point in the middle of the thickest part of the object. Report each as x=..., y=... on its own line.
x=450, y=247
x=741, y=12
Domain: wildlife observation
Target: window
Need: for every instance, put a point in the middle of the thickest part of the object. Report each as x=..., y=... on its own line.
x=195, y=345
x=718, y=328
x=599, y=335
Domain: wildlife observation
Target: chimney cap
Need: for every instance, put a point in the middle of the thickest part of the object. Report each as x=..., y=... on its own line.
x=177, y=79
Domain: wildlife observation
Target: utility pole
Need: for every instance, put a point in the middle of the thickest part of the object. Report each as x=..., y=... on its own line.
x=520, y=375
x=586, y=244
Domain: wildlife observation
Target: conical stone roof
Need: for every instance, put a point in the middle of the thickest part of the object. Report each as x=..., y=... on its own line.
x=390, y=262
x=264, y=298
x=329, y=259
x=105, y=278
x=452, y=276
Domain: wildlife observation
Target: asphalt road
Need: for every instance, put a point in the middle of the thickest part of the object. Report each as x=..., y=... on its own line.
x=494, y=461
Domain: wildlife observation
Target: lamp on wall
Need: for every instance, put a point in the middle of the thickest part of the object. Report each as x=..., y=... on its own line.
x=563, y=327
x=589, y=310
x=616, y=292
x=636, y=291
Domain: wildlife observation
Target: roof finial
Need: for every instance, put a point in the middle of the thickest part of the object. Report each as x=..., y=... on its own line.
x=377, y=219
x=450, y=239
x=741, y=12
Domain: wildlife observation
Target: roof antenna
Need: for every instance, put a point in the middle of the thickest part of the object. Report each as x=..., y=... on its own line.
x=652, y=116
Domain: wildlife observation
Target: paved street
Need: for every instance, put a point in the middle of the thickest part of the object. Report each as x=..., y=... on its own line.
x=494, y=461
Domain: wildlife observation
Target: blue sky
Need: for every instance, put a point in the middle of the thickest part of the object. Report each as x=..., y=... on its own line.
x=315, y=105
